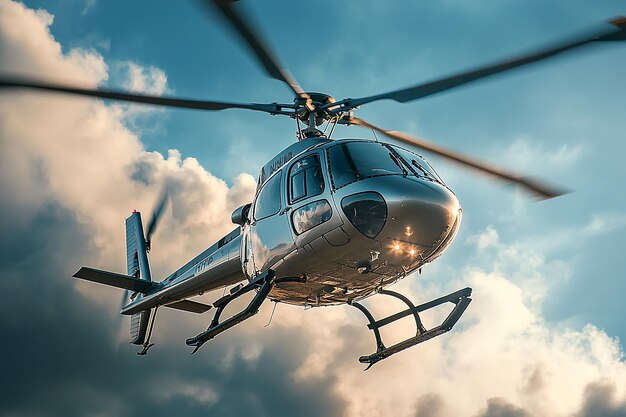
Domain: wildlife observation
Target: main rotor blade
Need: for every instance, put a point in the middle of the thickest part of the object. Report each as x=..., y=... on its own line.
x=20, y=82
x=615, y=32
x=257, y=44
x=538, y=188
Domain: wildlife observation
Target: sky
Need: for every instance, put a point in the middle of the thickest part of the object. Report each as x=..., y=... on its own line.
x=543, y=336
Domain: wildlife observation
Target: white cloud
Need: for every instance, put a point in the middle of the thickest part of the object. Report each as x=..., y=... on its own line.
x=200, y=393
x=485, y=240
x=89, y=5
x=598, y=225
x=28, y=48
x=605, y=223
x=502, y=348
x=80, y=153
x=149, y=80
x=527, y=155
x=139, y=79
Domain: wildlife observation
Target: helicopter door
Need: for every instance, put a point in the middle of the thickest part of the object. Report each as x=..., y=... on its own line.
x=270, y=238
x=312, y=211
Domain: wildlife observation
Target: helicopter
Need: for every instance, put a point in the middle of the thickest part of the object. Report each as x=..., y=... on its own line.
x=333, y=221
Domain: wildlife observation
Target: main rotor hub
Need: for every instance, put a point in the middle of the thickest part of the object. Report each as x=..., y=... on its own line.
x=318, y=100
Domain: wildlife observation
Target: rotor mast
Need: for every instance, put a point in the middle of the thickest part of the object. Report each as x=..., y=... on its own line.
x=314, y=115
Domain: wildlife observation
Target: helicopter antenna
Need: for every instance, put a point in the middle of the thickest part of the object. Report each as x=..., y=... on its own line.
x=332, y=130
x=299, y=135
x=334, y=121
x=272, y=315
x=328, y=123
x=375, y=137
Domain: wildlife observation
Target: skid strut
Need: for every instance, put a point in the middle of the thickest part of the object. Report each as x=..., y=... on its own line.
x=147, y=345
x=263, y=283
x=459, y=298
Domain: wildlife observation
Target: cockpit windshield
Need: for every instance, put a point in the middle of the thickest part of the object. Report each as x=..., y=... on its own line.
x=353, y=161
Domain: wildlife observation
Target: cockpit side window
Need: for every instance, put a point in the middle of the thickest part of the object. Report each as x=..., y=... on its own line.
x=268, y=200
x=305, y=178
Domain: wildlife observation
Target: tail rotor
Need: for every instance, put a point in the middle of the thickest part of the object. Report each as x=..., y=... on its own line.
x=156, y=216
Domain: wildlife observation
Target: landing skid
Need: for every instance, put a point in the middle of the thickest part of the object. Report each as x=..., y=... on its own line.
x=263, y=283
x=459, y=298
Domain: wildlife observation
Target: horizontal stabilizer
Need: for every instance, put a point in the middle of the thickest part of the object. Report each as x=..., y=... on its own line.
x=190, y=306
x=115, y=280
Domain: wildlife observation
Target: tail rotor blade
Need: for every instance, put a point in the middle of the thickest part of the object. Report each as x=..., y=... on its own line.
x=156, y=216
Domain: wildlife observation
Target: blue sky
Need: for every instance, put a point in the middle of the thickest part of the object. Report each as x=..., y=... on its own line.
x=562, y=120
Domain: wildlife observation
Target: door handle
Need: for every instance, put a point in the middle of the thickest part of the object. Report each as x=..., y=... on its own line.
x=285, y=210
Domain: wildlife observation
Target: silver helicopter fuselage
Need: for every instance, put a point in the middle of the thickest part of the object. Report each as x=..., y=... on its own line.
x=350, y=216
x=367, y=226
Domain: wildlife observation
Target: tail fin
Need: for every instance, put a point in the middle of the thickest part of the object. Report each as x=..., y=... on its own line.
x=136, y=251
x=137, y=259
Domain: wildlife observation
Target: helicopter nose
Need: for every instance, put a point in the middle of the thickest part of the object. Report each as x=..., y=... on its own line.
x=422, y=218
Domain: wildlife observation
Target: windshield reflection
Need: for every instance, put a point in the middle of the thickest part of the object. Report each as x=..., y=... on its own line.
x=354, y=161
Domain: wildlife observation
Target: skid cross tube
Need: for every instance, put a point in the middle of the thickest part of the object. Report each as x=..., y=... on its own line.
x=459, y=298
x=453, y=298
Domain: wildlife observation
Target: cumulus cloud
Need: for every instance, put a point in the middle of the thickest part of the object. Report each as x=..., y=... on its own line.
x=527, y=154
x=430, y=405
x=202, y=394
x=150, y=80
x=485, y=240
x=80, y=154
x=598, y=225
x=600, y=401
x=497, y=407
x=27, y=48
x=134, y=77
